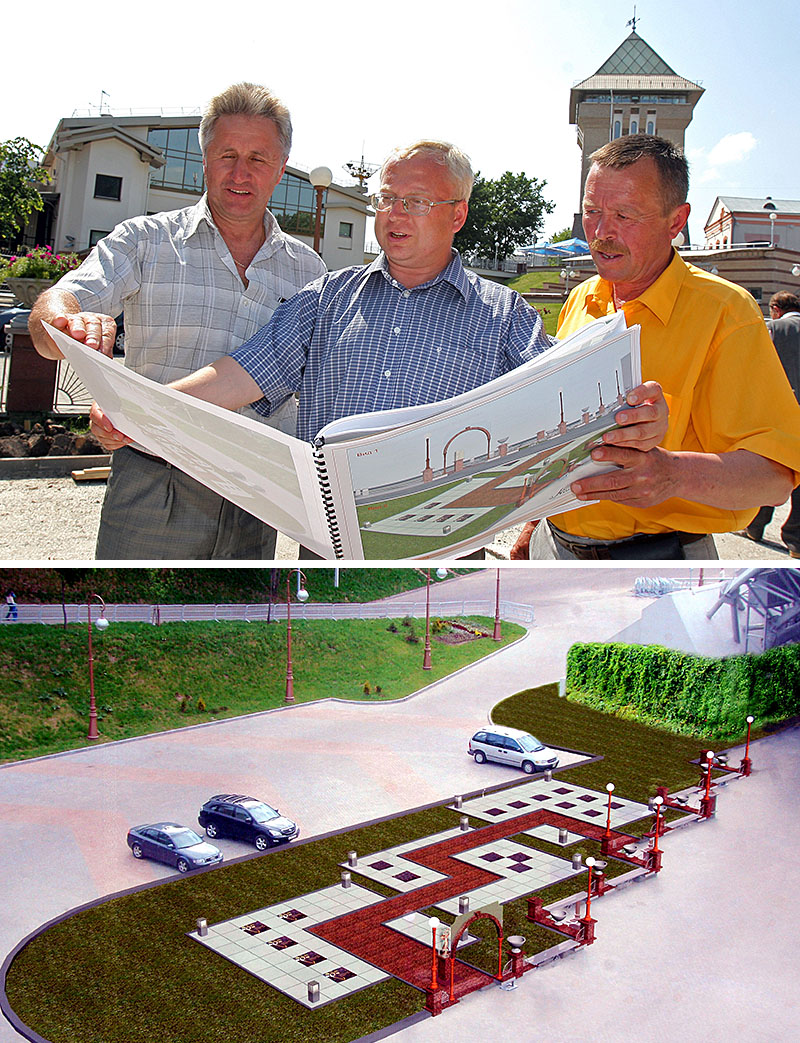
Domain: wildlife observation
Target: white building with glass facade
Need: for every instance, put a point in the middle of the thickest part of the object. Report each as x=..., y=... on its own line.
x=106, y=169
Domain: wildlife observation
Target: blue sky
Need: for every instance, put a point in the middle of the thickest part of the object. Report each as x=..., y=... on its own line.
x=494, y=77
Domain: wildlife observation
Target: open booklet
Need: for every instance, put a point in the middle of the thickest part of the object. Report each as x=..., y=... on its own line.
x=430, y=480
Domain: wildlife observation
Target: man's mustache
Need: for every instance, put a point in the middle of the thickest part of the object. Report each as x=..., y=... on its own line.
x=607, y=246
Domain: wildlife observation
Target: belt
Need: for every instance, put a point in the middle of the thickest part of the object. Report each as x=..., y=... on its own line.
x=149, y=456
x=655, y=545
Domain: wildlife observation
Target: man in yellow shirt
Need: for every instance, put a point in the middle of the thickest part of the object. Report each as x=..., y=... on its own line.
x=734, y=431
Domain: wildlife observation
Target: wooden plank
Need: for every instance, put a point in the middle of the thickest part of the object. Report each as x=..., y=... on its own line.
x=92, y=474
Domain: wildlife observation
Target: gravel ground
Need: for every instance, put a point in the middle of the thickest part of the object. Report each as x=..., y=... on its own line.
x=56, y=519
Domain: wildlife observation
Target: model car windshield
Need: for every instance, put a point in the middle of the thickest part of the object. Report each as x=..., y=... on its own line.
x=529, y=743
x=261, y=812
x=185, y=838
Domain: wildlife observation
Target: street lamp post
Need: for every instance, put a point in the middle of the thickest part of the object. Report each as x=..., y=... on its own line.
x=302, y=596
x=747, y=765
x=607, y=835
x=320, y=178
x=101, y=624
x=426, y=656
x=709, y=801
x=433, y=923
x=772, y=219
x=497, y=636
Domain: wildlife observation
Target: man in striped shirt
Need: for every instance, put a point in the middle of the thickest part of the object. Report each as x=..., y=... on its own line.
x=191, y=283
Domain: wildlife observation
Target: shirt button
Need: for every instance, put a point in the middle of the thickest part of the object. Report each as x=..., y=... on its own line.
x=387, y=373
x=397, y=329
x=406, y=293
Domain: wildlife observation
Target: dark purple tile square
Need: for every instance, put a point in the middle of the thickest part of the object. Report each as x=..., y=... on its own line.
x=380, y=864
x=282, y=943
x=520, y=857
x=492, y=856
x=495, y=811
x=407, y=876
x=541, y=796
x=565, y=804
x=291, y=915
x=592, y=813
x=339, y=974
x=588, y=798
x=256, y=927
x=518, y=804
x=520, y=867
x=308, y=959
x=562, y=790
x=616, y=806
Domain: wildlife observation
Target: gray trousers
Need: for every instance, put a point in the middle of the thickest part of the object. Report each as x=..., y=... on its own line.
x=153, y=511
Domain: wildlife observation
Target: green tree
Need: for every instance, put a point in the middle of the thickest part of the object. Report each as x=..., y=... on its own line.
x=562, y=236
x=20, y=173
x=503, y=214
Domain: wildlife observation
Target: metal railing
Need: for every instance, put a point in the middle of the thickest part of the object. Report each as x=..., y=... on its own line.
x=249, y=613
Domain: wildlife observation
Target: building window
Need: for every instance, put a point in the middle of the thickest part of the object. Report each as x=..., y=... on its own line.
x=294, y=205
x=184, y=161
x=634, y=124
x=755, y=291
x=345, y=229
x=106, y=186
x=95, y=235
x=651, y=123
x=617, y=128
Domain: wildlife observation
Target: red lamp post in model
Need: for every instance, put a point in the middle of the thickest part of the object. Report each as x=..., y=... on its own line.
x=747, y=765
x=433, y=923
x=708, y=803
x=101, y=624
x=606, y=841
x=586, y=922
x=302, y=596
x=497, y=636
x=426, y=657
x=654, y=855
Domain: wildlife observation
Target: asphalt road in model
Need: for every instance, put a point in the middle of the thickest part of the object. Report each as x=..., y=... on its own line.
x=327, y=765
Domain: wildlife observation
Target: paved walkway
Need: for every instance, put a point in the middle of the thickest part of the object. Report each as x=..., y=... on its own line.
x=330, y=765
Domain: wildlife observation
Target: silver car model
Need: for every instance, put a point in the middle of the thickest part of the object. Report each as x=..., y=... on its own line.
x=511, y=746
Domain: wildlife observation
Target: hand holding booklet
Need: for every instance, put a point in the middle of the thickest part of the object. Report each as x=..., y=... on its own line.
x=434, y=480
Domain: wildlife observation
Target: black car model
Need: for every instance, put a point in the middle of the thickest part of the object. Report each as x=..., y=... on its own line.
x=245, y=818
x=176, y=845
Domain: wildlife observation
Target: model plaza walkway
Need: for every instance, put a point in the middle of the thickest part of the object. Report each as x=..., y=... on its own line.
x=365, y=938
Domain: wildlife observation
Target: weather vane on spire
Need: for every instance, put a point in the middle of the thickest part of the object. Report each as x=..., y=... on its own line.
x=632, y=22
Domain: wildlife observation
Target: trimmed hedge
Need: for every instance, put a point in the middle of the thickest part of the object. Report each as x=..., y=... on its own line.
x=684, y=692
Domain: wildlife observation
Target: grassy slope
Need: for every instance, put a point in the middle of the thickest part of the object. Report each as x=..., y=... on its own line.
x=141, y=672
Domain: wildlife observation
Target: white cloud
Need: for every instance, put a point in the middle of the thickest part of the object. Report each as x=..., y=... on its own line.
x=733, y=148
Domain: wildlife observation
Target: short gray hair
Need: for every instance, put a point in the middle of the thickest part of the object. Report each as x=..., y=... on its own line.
x=247, y=99
x=456, y=162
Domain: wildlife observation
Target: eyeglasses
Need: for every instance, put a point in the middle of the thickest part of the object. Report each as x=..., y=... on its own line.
x=414, y=205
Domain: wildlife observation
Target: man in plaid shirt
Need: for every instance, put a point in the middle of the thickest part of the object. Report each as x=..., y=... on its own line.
x=191, y=283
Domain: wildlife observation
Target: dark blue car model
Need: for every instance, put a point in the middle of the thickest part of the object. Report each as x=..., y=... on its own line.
x=176, y=845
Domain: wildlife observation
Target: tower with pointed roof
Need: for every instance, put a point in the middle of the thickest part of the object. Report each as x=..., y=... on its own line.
x=633, y=91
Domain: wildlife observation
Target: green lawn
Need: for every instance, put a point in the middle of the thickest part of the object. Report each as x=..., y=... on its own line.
x=150, y=679
x=126, y=970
